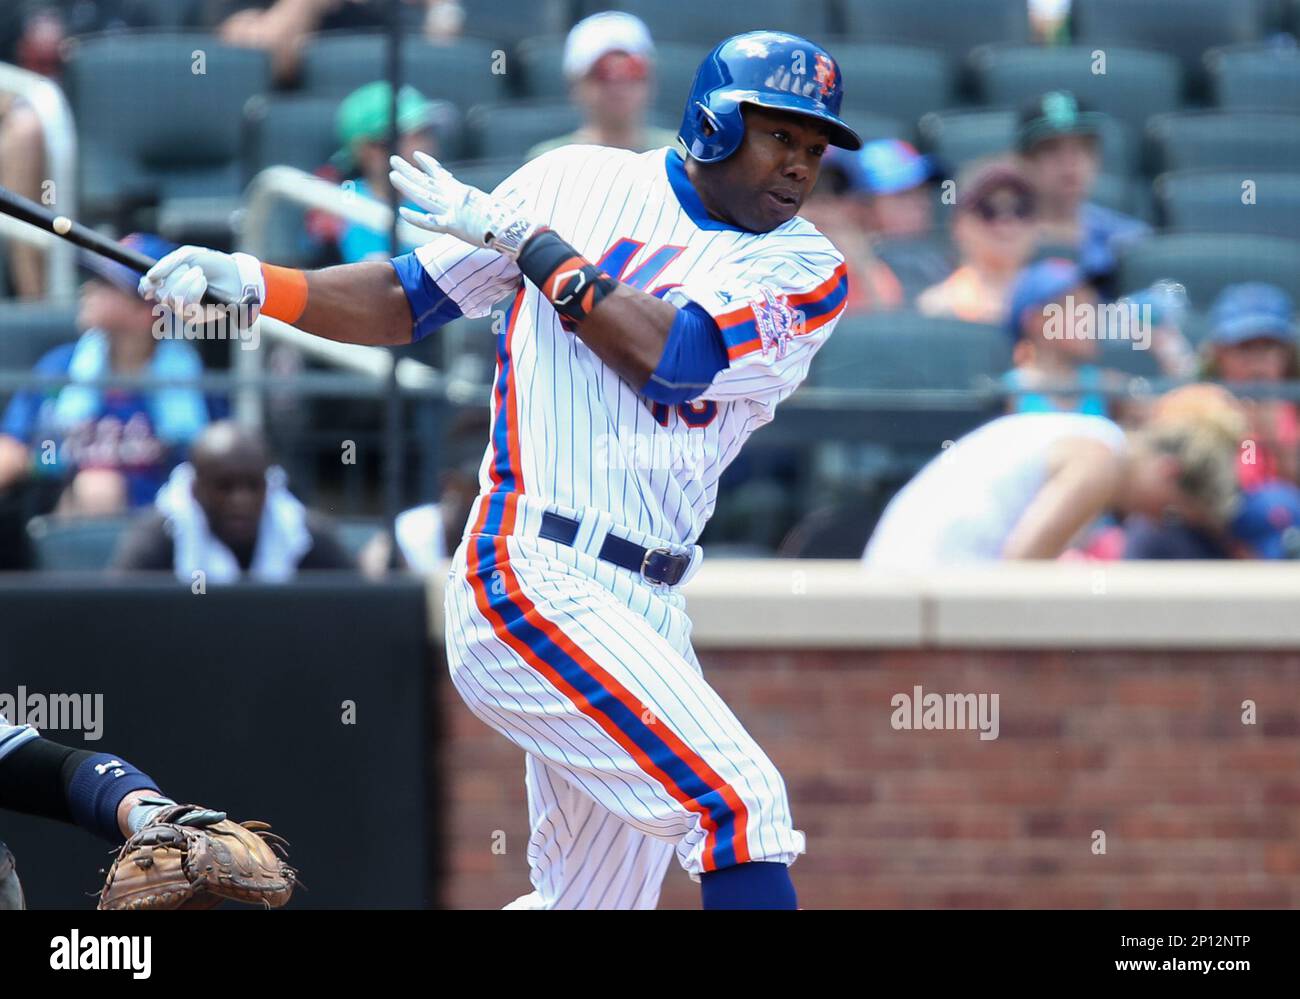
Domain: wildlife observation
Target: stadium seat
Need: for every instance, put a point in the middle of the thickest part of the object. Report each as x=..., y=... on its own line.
x=1206, y=263
x=1255, y=77
x=1123, y=355
x=957, y=137
x=1123, y=194
x=75, y=544
x=150, y=126
x=1210, y=201
x=485, y=174
x=907, y=353
x=289, y=131
x=839, y=530
x=1213, y=140
x=511, y=21
x=29, y=329
x=336, y=63
x=692, y=21
x=1182, y=28
x=299, y=131
x=499, y=131
x=900, y=81
x=878, y=126
x=955, y=26
x=542, y=60
x=355, y=533
x=905, y=350
x=1136, y=84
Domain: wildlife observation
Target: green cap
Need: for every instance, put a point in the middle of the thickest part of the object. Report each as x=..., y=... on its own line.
x=1055, y=113
x=365, y=114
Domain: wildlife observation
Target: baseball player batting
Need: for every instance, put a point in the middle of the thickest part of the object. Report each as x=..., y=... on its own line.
x=668, y=297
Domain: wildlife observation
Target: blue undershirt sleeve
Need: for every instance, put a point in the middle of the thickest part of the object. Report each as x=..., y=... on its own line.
x=692, y=357
x=431, y=307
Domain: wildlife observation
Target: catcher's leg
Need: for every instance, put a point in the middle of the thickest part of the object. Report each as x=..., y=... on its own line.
x=583, y=856
x=575, y=677
x=11, y=891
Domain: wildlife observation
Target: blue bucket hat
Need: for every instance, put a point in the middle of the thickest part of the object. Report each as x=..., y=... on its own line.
x=1252, y=311
x=1040, y=283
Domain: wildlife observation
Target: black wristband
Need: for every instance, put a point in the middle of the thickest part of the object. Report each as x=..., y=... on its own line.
x=570, y=282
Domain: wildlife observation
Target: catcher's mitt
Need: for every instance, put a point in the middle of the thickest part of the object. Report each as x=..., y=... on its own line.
x=189, y=857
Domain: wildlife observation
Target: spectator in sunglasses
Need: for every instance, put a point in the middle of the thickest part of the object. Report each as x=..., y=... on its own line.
x=1060, y=144
x=993, y=230
x=609, y=63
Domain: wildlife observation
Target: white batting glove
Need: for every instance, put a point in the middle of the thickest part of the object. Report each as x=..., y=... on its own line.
x=180, y=280
x=458, y=209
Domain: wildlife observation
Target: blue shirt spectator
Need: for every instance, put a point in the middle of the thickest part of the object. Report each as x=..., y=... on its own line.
x=113, y=446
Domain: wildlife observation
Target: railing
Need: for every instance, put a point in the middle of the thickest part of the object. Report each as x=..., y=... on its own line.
x=283, y=183
x=412, y=376
x=61, y=151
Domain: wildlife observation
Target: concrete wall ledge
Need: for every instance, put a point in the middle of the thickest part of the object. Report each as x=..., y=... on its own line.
x=796, y=604
x=806, y=604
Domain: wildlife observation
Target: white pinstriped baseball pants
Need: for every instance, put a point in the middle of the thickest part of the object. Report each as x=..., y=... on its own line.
x=631, y=755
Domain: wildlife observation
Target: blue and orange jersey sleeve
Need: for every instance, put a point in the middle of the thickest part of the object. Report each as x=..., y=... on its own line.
x=774, y=311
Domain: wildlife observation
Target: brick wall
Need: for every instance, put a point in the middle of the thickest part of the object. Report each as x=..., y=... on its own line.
x=1198, y=809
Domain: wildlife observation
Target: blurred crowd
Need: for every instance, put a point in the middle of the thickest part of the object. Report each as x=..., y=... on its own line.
x=1019, y=238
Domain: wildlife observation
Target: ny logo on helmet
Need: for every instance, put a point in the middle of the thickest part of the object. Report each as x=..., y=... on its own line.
x=825, y=73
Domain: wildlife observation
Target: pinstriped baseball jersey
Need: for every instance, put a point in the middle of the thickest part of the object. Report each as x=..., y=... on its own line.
x=565, y=427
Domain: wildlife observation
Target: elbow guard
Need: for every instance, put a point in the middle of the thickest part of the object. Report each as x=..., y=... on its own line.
x=692, y=358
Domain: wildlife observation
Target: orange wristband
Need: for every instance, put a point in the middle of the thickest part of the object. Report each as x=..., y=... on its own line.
x=286, y=293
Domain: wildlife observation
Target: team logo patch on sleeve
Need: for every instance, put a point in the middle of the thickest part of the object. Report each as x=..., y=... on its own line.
x=777, y=322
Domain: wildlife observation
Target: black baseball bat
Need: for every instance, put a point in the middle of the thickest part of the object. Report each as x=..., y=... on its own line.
x=25, y=210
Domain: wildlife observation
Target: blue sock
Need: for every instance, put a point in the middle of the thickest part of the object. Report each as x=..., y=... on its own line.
x=98, y=787
x=758, y=885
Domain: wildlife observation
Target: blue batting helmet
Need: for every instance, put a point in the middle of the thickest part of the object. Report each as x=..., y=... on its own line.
x=767, y=68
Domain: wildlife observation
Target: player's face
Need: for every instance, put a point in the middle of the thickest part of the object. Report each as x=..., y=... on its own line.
x=763, y=184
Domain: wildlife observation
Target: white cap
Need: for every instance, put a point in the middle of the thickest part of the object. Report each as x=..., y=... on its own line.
x=599, y=34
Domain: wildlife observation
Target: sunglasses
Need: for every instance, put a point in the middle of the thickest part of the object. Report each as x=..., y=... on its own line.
x=1022, y=210
x=619, y=67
